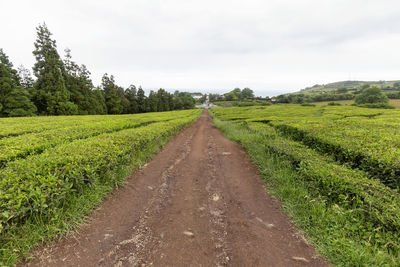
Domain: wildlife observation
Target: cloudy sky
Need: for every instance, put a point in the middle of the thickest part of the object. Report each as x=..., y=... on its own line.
x=271, y=46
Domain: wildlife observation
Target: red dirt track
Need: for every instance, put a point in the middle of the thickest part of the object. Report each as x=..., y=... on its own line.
x=199, y=202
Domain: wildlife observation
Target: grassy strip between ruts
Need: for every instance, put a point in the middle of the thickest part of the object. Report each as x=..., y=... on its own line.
x=61, y=209
x=339, y=232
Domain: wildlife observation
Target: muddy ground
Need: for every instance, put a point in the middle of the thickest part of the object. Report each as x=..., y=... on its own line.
x=199, y=202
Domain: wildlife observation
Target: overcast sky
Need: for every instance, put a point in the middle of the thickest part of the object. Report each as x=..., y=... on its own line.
x=214, y=45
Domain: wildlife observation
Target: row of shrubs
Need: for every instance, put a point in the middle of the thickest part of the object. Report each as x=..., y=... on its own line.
x=376, y=204
x=25, y=145
x=385, y=172
x=42, y=182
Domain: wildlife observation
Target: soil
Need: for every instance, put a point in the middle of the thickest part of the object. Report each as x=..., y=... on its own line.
x=199, y=202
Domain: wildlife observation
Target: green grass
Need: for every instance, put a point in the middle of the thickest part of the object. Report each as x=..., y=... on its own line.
x=334, y=231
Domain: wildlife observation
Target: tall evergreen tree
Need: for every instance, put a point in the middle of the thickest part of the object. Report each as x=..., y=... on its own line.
x=165, y=100
x=111, y=95
x=25, y=76
x=52, y=96
x=14, y=99
x=18, y=104
x=78, y=82
x=131, y=95
x=8, y=77
x=141, y=100
x=183, y=100
x=152, y=102
x=97, y=102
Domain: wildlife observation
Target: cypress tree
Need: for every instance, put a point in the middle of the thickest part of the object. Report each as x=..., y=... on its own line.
x=152, y=102
x=8, y=78
x=52, y=96
x=111, y=95
x=97, y=102
x=141, y=100
x=18, y=104
x=14, y=99
x=131, y=95
x=25, y=76
x=78, y=82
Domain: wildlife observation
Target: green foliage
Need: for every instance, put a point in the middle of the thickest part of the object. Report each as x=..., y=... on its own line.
x=112, y=98
x=78, y=82
x=183, y=100
x=358, y=216
x=131, y=95
x=247, y=93
x=242, y=103
x=371, y=95
x=141, y=100
x=334, y=104
x=52, y=96
x=14, y=100
x=98, y=102
x=308, y=105
x=377, y=105
x=342, y=90
x=367, y=138
x=238, y=94
x=25, y=76
x=29, y=144
x=62, y=87
x=76, y=159
x=18, y=104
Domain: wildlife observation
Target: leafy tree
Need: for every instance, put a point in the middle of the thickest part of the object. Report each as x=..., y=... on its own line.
x=152, y=102
x=14, y=100
x=342, y=90
x=183, y=100
x=124, y=101
x=164, y=100
x=26, y=79
x=97, y=102
x=247, y=93
x=8, y=78
x=396, y=85
x=12, y=73
x=141, y=100
x=78, y=82
x=365, y=86
x=18, y=104
x=52, y=96
x=111, y=95
x=131, y=96
x=235, y=94
x=371, y=95
x=215, y=97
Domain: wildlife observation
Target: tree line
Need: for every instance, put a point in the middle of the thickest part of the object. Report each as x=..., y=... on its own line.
x=63, y=87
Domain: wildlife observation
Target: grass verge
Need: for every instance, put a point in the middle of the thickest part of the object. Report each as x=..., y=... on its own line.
x=333, y=230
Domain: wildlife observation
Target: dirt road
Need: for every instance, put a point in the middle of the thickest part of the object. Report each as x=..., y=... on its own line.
x=199, y=202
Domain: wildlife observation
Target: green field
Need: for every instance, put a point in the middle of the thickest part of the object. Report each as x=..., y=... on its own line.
x=392, y=102
x=53, y=170
x=351, y=85
x=341, y=173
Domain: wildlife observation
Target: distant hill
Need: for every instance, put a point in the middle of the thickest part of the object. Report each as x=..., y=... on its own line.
x=345, y=90
x=350, y=85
